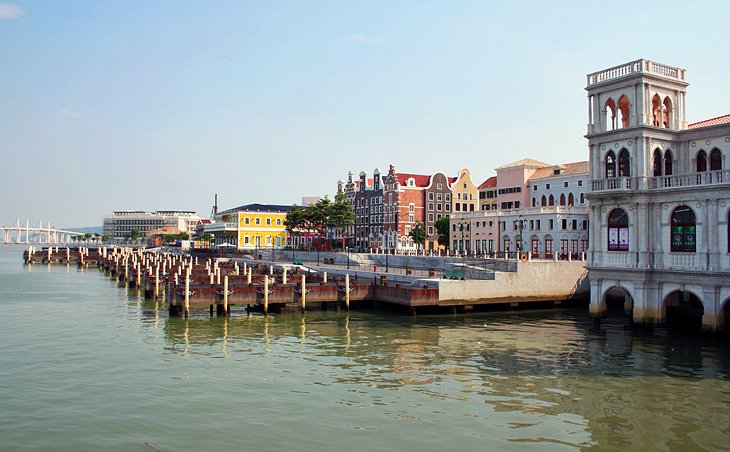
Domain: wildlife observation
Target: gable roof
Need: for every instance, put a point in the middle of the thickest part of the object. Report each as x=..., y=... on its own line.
x=524, y=162
x=421, y=180
x=710, y=122
x=489, y=183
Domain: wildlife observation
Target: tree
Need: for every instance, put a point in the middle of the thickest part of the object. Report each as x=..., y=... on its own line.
x=341, y=215
x=443, y=225
x=135, y=234
x=87, y=236
x=418, y=234
x=295, y=221
x=104, y=238
x=207, y=238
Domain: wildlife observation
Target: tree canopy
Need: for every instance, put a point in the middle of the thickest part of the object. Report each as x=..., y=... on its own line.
x=418, y=234
x=443, y=225
x=320, y=216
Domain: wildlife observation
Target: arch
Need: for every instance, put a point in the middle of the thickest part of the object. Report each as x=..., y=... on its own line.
x=618, y=299
x=667, y=113
x=657, y=162
x=618, y=230
x=715, y=160
x=562, y=199
x=668, y=163
x=610, y=112
x=551, y=201
x=624, y=163
x=683, y=310
x=543, y=201
x=623, y=110
x=684, y=230
x=610, y=165
x=571, y=199
x=656, y=110
x=582, y=198
x=701, y=161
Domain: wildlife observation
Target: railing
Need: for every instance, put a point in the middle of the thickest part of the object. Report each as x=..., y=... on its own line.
x=616, y=259
x=682, y=260
x=674, y=181
x=634, y=67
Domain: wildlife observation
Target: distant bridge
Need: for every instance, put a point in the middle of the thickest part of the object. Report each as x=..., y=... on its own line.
x=29, y=233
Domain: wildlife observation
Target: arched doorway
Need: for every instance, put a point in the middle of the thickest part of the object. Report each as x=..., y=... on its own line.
x=618, y=300
x=683, y=311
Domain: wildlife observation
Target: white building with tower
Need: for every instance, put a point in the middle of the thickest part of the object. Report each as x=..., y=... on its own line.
x=119, y=225
x=659, y=199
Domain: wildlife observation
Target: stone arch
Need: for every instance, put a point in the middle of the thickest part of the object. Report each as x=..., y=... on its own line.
x=534, y=202
x=667, y=112
x=623, y=112
x=683, y=310
x=571, y=199
x=618, y=230
x=656, y=111
x=683, y=236
x=610, y=113
x=562, y=199
x=543, y=201
x=551, y=200
x=618, y=298
x=668, y=162
x=724, y=313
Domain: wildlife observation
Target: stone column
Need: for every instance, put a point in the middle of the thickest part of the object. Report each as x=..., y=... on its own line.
x=597, y=308
x=713, y=231
x=643, y=234
x=712, y=317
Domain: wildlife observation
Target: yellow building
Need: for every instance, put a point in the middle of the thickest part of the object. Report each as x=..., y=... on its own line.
x=249, y=227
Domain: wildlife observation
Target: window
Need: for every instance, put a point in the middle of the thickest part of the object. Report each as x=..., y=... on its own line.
x=551, y=224
x=430, y=230
x=411, y=218
x=715, y=160
x=257, y=221
x=534, y=188
x=701, y=161
x=610, y=165
x=562, y=199
x=564, y=223
x=534, y=202
x=537, y=224
x=580, y=183
x=565, y=184
x=430, y=196
x=668, y=163
x=684, y=230
x=278, y=221
x=618, y=230
x=411, y=207
x=268, y=222
x=547, y=186
x=571, y=199
x=657, y=162
x=247, y=221
x=543, y=201
x=430, y=217
x=246, y=239
x=551, y=201
x=430, y=206
x=438, y=207
x=458, y=207
x=624, y=165
x=448, y=197
x=439, y=197
x=582, y=198
x=439, y=186
x=447, y=207
x=548, y=246
x=268, y=240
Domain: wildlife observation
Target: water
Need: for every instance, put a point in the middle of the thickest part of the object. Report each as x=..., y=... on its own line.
x=85, y=365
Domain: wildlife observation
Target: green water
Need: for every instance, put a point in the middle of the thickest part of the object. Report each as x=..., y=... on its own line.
x=85, y=365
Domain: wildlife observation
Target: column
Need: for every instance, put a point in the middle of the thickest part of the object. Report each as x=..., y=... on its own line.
x=713, y=231
x=643, y=234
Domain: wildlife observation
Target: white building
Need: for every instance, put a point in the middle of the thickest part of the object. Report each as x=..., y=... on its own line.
x=659, y=197
x=541, y=209
x=119, y=225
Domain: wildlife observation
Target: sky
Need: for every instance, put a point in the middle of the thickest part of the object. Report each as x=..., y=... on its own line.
x=119, y=105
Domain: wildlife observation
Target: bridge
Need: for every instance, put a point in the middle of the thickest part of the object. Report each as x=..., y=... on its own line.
x=30, y=233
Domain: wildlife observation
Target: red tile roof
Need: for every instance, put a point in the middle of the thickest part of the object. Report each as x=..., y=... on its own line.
x=421, y=180
x=710, y=122
x=489, y=183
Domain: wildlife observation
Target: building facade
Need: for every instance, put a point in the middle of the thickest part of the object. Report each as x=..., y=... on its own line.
x=369, y=212
x=659, y=199
x=250, y=226
x=120, y=224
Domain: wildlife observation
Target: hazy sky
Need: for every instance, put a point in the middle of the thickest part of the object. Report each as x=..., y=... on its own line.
x=111, y=105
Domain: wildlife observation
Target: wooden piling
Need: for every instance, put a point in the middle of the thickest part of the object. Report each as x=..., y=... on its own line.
x=266, y=293
x=186, y=305
x=304, y=293
x=225, y=295
x=347, y=291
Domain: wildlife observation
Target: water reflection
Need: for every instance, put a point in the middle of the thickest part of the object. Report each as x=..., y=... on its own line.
x=547, y=377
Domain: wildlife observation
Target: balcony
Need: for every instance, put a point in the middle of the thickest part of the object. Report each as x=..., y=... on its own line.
x=637, y=67
x=221, y=227
x=661, y=183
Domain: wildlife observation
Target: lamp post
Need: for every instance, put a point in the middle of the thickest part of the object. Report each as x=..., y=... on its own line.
x=461, y=243
x=520, y=245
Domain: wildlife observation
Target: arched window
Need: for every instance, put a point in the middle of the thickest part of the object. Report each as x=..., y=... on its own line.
x=715, y=160
x=667, y=114
x=551, y=202
x=701, y=161
x=623, y=109
x=668, y=165
x=657, y=162
x=610, y=110
x=684, y=230
x=534, y=202
x=543, y=202
x=618, y=230
x=656, y=110
x=610, y=165
x=624, y=165
x=562, y=199
x=571, y=199
x=582, y=198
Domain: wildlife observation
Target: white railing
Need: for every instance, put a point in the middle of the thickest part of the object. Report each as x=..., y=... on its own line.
x=616, y=259
x=682, y=260
x=705, y=178
x=634, y=67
